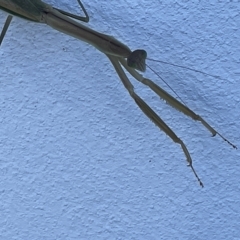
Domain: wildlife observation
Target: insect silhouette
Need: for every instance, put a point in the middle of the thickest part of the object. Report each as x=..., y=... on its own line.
x=121, y=57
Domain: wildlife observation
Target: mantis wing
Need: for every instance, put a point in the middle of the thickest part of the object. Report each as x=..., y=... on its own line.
x=28, y=9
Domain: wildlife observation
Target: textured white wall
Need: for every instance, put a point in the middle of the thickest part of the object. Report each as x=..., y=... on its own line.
x=79, y=160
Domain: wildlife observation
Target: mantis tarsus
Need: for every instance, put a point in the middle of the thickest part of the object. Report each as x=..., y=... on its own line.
x=119, y=54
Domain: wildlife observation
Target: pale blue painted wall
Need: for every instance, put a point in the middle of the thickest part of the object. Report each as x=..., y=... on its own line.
x=78, y=159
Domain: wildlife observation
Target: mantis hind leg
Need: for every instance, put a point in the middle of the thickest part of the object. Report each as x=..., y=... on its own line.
x=83, y=19
x=5, y=28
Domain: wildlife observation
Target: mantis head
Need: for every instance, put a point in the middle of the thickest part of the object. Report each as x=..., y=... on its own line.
x=137, y=59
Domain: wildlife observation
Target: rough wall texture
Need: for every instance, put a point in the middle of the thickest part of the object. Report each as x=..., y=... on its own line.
x=78, y=159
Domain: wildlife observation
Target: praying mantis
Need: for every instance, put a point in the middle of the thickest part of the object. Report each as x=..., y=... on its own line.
x=121, y=57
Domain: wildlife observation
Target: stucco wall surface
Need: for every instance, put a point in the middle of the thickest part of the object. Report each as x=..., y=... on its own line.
x=79, y=160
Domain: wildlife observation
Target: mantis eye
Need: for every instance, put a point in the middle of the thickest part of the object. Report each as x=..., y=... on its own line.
x=137, y=60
